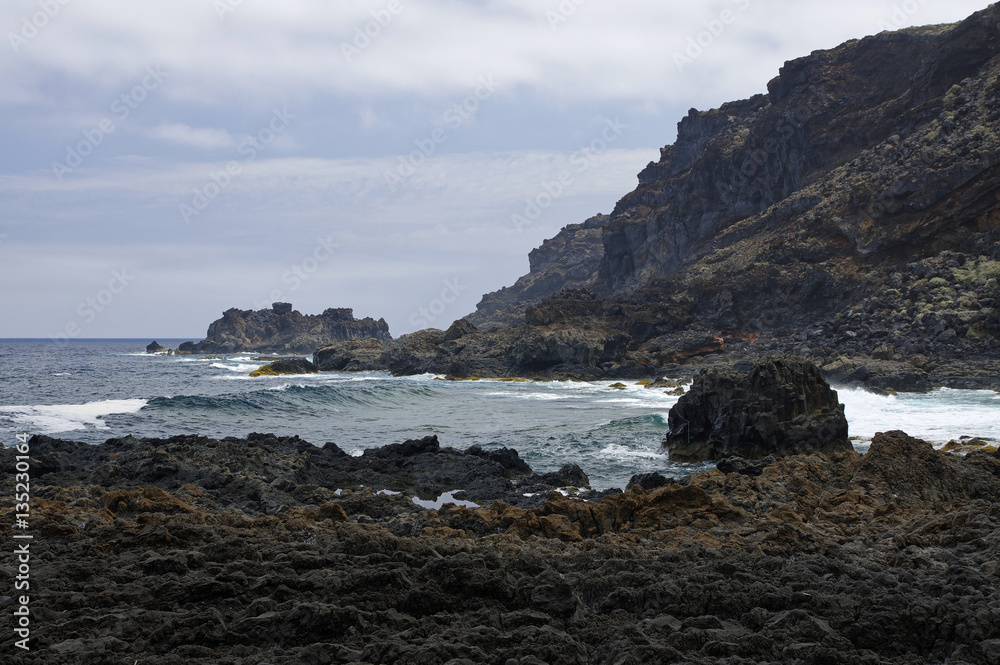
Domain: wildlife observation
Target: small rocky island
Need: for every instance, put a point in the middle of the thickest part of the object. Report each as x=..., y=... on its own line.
x=282, y=329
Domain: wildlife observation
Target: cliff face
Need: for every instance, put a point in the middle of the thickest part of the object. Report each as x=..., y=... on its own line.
x=284, y=330
x=862, y=189
x=849, y=157
x=570, y=260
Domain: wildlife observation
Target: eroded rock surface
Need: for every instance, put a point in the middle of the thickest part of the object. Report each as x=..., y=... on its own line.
x=282, y=329
x=169, y=552
x=778, y=406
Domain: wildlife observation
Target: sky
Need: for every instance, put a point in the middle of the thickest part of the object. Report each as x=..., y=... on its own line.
x=161, y=162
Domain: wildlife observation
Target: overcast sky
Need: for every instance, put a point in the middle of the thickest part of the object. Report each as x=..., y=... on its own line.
x=164, y=161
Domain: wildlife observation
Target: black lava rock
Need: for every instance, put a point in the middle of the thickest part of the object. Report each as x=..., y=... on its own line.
x=781, y=406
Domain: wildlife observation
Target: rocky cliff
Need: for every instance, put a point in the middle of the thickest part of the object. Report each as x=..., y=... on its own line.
x=284, y=330
x=570, y=260
x=851, y=208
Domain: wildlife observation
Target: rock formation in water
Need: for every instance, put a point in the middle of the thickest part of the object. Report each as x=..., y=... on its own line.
x=284, y=330
x=778, y=406
x=286, y=366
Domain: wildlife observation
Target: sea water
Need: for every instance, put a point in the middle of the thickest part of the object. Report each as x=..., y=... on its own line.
x=93, y=390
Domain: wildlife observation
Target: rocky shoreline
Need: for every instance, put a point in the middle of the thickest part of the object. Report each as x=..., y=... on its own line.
x=243, y=551
x=583, y=350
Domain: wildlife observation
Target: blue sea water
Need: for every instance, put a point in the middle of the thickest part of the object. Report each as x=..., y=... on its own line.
x=92, y=390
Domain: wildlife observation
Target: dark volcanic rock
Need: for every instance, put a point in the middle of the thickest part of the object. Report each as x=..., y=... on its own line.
x=154, y=347
x=459, y=329
x=541, y=348
x=284, y=330
x=648, y=481
x=570, y=260
x=280, y=308
x=743, y=466
x=264, y=472
x=352, y=356
x=908, y=471
x=781, y=406
x=569, y=475
x=286, y=366
x=200, y=551
x=204, y=346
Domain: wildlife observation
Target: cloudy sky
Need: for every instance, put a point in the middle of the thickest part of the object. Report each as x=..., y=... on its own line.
x=164, y=161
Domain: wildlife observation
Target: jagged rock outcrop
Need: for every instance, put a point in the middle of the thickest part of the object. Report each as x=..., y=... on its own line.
x=779, y=406
x=155, y=347
x=568, y=334
x=284, y=330
x=459, y=329
x=907, y=471
x=540, y=348
x=569, y=260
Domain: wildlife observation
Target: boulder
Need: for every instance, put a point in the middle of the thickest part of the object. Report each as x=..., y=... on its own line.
x=286, y=366
x=154, y=347
x=648, y=481
x=743, y=466
x=569, y=475
x=414, y=353
x=781, y=406
x=459, y=329
x=910, y=472
x=281, y=307
x=204, y=346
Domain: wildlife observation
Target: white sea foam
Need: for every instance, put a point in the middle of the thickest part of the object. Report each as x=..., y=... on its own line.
x=53, y=418
x=243, y=367
x=938, y=416
x=618, y=451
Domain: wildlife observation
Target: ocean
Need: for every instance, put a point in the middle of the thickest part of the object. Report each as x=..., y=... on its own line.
x=93, y=390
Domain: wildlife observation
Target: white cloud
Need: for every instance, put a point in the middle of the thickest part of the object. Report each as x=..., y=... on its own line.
x=204, y=137
x=622, y=50
x=450, y=217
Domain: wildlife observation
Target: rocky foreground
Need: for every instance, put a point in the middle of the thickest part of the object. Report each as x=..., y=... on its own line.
x=190, y=550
